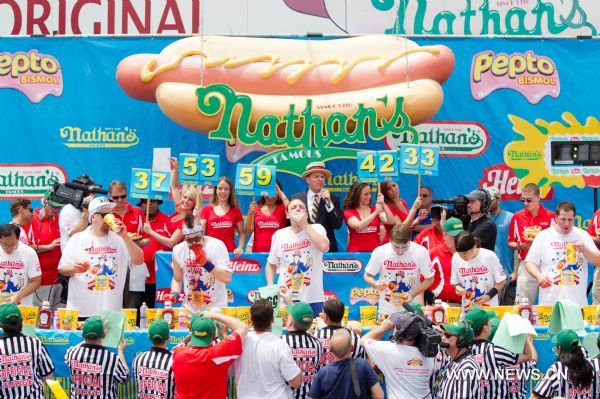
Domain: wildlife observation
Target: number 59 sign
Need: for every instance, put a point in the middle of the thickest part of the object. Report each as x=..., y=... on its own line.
x=255, y=180
x=419, y=160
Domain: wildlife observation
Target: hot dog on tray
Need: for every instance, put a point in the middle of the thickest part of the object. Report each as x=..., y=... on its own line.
x=336, y=74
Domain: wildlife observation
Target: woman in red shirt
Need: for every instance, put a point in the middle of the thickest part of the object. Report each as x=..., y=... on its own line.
x=265, y=219
x=221, y=218
x=398, y=207
x=185, y=201
x=364, y=219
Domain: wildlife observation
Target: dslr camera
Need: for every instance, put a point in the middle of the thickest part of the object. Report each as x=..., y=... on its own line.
x=75, y=191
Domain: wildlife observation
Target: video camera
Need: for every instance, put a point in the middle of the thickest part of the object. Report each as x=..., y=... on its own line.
x=75, y=191
x=429, y=340
x=459, y=207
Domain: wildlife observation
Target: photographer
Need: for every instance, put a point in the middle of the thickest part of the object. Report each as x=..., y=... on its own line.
x=407, y=371
x=480, y=224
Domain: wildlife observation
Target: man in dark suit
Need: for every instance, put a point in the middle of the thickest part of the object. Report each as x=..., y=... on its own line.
x=322, y=207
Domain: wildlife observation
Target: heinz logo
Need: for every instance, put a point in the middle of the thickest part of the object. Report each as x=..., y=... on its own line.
x=247, y=266
x=342, y=266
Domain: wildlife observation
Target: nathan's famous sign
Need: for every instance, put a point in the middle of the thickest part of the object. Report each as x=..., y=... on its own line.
x=282, y=94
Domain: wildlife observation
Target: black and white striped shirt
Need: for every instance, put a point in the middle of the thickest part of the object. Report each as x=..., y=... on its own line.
x=307, y=352
x=492, y=359
x=459, y=379
x=325, y=334
x=596, y=364
x=95, y=372
x=517, y=385
x=153, y=371
x=554, y=384
x=23, y=362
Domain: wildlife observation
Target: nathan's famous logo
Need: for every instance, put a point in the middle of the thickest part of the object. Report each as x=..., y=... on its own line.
x=534, y=138
x=253, y=296
x=76, y=137
x=455, y=139
x=534, y=76
x=35, y=75
x=54, y=340
x=29, y=180
x=294, y=99
x=342, y=265
x=458, y=17
x=370, y=295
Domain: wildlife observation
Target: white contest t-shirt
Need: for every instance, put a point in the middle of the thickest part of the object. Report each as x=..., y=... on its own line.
x=101, y=286
x=406, y=370
x=202, y=288
x=264, y=367
x=15, y=271
x=401, y=272
x=566, y=267
x=69, y=216
x=478, y=275
x=300, y=264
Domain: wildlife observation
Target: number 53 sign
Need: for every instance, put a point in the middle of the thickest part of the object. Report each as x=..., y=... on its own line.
x=255, y=180
x=419, y=160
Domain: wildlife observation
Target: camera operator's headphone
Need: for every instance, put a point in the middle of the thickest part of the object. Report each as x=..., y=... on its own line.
x=486, y=201
x=399, y=336
x=462, y=341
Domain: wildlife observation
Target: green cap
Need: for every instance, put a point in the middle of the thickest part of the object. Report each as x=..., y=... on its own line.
x=93, y=328
x=418, y=308
x=301, y=313
x=479, y=317
x=203, y=331
x=453, y=226
x=458, y=328
x=51, y=199
x=566, y=339
x=495, y=323
x=9, y=311
x=159, y=331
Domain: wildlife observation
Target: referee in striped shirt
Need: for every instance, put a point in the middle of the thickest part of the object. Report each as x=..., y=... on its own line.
x=94, y=370
x=458, y=378
x=333, y=314
x=25, y=361
x=492, y=358
x=307, y=350
x=153, y=370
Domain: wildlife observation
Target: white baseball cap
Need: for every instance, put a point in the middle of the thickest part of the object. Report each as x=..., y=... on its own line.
x=99, y=205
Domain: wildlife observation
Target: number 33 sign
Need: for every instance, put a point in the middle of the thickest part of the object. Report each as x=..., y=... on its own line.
x=419, y=160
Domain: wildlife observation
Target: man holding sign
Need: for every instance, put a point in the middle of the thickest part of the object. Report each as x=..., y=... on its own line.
x=322, y=207
x=297, y=255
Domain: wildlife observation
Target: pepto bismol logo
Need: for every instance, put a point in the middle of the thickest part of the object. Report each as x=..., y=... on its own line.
x=35, y=75
x=107, y=137
x=342, y=265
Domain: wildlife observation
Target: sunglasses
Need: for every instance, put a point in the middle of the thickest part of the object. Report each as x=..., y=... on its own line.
x=102, y=214
x=448, y=336
x=5, y=245
x=528, y=200
x=116, y=197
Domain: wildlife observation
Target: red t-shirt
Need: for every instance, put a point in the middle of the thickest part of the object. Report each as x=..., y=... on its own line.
x=524, y=219
x=221, y=227
x=594, y=224
x=365, y=239
x=396, y=212
x=429, y=238
x=441, y=261
x=265, y=226
x=43, y=232
x=205, y=367
x=163, y=226
x=133, y=219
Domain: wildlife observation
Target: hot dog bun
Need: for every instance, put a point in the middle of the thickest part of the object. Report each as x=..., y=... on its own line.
x=423, y=98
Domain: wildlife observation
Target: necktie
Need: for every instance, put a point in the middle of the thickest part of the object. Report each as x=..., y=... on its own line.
x=314, y=209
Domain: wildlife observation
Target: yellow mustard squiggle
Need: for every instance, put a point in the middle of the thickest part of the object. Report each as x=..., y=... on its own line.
x=150, y=71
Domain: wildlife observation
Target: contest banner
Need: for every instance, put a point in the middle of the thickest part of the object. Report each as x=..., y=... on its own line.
x=498, y=112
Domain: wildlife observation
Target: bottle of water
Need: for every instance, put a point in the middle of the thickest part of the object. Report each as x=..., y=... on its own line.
x=144, y=316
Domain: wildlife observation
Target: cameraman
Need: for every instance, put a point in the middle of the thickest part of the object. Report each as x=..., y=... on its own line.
x=480, y=224
x=75, y=219
x=407, y=372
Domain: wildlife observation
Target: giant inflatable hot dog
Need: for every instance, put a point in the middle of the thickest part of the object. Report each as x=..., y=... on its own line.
x=335, y=75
